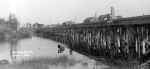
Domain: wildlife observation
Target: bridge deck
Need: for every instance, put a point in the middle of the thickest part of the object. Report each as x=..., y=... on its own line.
x=122, y=39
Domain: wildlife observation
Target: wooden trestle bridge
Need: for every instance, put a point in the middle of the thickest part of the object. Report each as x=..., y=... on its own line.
x=125, y=38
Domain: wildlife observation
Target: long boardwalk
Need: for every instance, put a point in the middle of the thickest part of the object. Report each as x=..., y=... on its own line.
x=124, y=39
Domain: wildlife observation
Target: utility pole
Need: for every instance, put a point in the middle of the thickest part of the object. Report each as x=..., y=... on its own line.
x=13, y=23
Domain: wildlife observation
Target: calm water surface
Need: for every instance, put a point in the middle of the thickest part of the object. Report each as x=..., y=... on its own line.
x=36, y=47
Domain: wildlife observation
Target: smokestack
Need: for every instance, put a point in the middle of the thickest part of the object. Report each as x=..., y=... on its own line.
x=112, y=12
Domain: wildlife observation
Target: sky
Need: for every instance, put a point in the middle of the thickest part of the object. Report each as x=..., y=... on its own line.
x=58, y=11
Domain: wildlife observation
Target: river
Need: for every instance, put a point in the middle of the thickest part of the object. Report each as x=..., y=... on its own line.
x=37, y=47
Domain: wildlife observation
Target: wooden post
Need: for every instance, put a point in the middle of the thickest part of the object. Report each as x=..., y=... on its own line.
x=136, y=45
x=143, y=47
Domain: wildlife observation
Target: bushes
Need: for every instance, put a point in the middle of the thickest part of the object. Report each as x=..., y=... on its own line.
x=2, y=36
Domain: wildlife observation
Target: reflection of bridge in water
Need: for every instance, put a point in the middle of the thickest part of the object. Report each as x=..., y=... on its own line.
x=126, y=38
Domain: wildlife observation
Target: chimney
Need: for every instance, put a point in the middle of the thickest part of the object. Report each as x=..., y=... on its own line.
x=112, y=12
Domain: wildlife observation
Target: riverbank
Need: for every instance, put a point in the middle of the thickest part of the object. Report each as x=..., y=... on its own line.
x=10, y=35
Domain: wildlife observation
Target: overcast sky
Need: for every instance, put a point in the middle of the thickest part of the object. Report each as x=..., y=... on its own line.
x=58, y=11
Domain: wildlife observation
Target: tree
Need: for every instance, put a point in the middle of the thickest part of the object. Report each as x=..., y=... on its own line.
x=13, y=22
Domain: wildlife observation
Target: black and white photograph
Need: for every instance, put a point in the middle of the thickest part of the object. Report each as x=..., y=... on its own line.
x=74, y=34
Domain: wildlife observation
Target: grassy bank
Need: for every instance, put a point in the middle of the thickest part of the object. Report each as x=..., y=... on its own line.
x=10, y=35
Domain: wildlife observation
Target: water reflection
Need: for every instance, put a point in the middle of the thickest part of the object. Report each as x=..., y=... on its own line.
x=45, y=56
x=13, y=48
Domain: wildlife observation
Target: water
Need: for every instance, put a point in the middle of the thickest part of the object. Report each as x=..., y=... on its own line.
x=36, y=47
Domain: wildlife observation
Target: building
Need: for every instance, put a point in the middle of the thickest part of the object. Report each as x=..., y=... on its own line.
x=38, y=26
x=91, y=20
